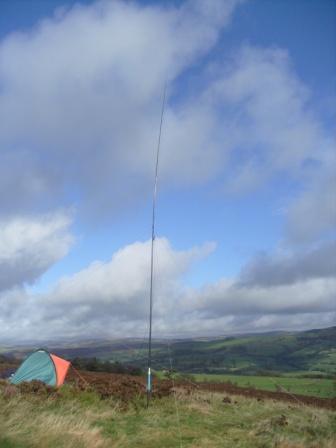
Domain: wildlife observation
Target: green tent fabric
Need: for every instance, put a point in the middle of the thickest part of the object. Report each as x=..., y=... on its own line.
x=38, y=366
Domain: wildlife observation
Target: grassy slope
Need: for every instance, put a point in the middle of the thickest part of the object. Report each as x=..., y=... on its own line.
x=324, y=388
x=75, y=420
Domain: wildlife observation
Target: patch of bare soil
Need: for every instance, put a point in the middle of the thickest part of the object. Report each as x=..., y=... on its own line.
x=328, y=403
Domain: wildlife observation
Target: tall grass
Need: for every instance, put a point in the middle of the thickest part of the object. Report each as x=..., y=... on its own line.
x=75, y=419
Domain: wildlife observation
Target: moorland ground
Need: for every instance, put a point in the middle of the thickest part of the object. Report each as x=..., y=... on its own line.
x=75, y=418
x=253, y=391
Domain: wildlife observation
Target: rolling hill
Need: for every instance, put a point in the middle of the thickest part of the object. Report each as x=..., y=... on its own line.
x=308, y=352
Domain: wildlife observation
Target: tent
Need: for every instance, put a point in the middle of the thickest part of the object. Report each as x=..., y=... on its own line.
x=43, y=366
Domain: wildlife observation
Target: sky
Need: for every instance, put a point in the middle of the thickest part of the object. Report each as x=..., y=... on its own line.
x=246, y=210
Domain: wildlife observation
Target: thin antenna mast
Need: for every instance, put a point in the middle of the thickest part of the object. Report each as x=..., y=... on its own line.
x=149, y=378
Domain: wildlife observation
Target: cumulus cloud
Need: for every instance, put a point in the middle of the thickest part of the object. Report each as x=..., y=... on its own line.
x=88, y=119
x=271, y=122
x=312, y=215
x=270, y=270
x=30, y=245
x=228, y=297
x=81, y=94
x=122, y=284
x=110, y=299
x=114, y=292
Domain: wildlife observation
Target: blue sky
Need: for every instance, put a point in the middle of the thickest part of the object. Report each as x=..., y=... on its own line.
x=246, y=175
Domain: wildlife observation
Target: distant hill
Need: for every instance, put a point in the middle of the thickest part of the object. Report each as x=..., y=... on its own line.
x=312, y=351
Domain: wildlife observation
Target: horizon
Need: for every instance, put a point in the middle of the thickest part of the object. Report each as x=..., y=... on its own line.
x=66, y=341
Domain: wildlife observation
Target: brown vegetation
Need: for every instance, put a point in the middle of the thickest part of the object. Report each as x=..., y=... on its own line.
x=126, y=387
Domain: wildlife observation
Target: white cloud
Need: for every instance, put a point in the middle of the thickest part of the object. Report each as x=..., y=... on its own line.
x=227, y=297
x=270, y=130
x=80, y=99
x=115, y=292
x=81, y=94
x=285, y=269
x=269, y=117
x=111, y=300
x=30, y=245
x=312, y=215
x=123, y=282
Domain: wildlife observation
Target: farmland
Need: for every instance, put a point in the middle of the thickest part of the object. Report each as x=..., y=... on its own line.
x=307, y=386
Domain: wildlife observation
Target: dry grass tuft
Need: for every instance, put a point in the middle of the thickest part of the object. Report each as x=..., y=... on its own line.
x=42, y=422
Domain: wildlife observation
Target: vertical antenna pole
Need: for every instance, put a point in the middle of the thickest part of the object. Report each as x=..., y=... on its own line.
x=149, y=378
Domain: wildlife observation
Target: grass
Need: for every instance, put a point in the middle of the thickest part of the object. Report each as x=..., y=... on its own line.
x=56, y=421
x=81, y=420
x=324, y=388
x=215, y=345
x=296, y=384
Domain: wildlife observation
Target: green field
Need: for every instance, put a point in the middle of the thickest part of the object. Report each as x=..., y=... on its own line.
x=325, y=388
x=74, y=419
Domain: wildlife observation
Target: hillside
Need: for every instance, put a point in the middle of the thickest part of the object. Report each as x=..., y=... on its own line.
x=313, y=351
x=309, y=352
x=72, y=418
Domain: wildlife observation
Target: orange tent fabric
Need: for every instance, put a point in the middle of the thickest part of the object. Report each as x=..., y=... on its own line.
x=62, y=367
